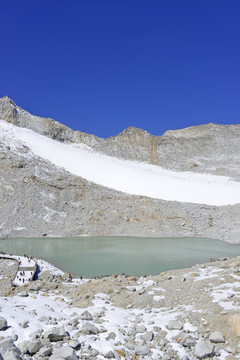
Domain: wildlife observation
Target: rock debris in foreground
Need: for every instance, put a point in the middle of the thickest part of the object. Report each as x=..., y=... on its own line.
x=164, y=318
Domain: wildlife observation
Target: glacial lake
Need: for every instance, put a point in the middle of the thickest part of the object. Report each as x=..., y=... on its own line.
x=95, y=256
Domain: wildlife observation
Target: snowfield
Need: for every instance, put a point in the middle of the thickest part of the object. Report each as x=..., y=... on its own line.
x=126, y=176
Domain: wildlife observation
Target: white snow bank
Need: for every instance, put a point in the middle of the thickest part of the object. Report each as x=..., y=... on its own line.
x=126, y=176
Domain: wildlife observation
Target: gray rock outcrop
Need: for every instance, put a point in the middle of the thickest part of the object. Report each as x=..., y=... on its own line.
x=64, y=352
x=3, y=323
x=34, y=346
x=216, y=337
x=204, y=349
x=55, y=334
x=209, y=148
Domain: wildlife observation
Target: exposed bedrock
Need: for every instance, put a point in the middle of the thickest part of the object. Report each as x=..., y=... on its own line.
x=39, y=199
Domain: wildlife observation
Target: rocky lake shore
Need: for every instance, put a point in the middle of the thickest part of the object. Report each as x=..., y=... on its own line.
x=182, y=314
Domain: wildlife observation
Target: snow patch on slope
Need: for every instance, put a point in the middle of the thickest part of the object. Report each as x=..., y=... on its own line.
x=126, y=176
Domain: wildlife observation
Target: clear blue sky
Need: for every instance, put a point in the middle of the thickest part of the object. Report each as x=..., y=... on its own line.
x=100, y=66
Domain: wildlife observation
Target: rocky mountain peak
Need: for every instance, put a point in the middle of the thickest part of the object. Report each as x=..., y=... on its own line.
x=132, y=132
x=8, y=109
x=6, y=99
x=208, y=148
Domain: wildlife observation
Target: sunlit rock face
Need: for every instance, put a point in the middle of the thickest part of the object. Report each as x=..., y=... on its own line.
x=210, y=148
x=39, y=198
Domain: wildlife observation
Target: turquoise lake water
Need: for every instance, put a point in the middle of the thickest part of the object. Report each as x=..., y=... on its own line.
x=95, y=256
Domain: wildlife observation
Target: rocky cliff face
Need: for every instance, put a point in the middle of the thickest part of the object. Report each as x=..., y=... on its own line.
x=210, y=148
x=39, y=199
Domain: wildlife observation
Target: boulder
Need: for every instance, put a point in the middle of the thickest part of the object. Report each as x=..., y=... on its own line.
x=174, y=325
x=12, y=355
x=142, y=350
x=91, y=329
x=23, y=347
x=188, y=342
x=140, y=329
x=86, y=316
x=204, y=349
x=56, y=334
x=36, y=334
x=216, y=337
x=148, y=336
x=7, y=343
x=94, y=352
x=65, y=352
x=34, y=287
x=3, y=324
x=34, y=346
x=75, y=344
x=109, y=355
x=44, y=351
x=132, y=333
x=111, y=336
x=24, y=324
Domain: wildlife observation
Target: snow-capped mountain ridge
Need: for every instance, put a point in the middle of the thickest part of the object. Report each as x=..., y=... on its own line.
x=127, y=176
x=212, y=149
x=132, y=184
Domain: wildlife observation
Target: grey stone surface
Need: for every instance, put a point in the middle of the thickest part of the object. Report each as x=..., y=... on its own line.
x=174, y=325
x=45, y=351
x=71, y=206
x=56, y=334
x=66, y=352
x=216, y=337
x=12, y=355
x=23, y=347
x=6, y=343
x=109, y=355
x=148, y=336
x=140, y=329
x=91, y=329
x=34, y=346
x=94, y=352
x=204, y=349
x=196, y=148
x=24, y=324
x=189, y=342
x=3, y=323
x=86, y=316
x=35, y=287
x=142, y=350
x=75, y=344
